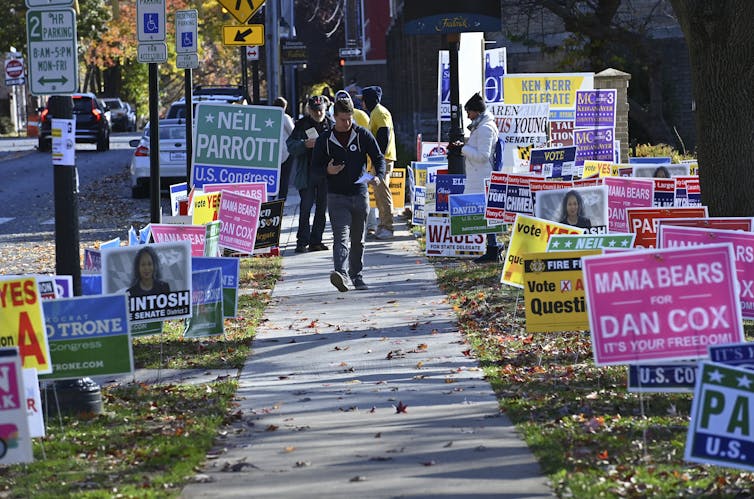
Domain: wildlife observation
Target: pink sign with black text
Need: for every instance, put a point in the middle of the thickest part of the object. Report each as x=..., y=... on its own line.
x=240, y=218
x=662, y=305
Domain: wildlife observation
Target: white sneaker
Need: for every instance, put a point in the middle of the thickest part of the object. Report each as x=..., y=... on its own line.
x=384, y=234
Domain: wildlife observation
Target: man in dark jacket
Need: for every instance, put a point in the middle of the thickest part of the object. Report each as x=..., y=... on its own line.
x=341, y=154
x=311, y=183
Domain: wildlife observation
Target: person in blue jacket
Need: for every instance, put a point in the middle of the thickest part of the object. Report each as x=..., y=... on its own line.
x=341, y=154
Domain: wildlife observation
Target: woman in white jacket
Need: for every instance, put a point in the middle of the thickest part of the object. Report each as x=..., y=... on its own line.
x=478, y=152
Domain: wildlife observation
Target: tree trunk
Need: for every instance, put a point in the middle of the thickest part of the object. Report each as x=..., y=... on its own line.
x=721, y=51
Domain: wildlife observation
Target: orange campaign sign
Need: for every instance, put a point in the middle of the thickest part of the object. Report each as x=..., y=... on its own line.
x=644, y=221
x=22, y=322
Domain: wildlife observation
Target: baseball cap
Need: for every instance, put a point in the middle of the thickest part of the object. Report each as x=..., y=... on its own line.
x=342, y=94
x=316, y=102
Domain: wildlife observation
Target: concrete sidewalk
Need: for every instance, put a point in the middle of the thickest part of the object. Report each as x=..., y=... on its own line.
x=365, y=393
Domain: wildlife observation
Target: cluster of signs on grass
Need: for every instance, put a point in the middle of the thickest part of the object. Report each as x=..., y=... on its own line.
x=186, y=268
x=625, y=251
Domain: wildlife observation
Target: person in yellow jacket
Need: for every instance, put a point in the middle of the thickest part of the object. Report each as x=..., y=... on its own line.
x=381, y=126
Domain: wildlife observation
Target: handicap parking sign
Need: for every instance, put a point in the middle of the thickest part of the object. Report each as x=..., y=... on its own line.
x=151, y=24
x=187, y=39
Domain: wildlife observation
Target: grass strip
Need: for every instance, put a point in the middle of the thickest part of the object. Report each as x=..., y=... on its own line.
x=591, y=436
x=150, y=439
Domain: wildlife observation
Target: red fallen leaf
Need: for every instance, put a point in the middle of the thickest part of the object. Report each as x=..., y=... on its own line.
x=422, y=346
x=400, y=408
x=602, y=455
x=312, y=324
x=467, y=353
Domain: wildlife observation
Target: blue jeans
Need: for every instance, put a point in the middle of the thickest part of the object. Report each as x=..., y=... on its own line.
x=315, y=193
x=348, y=216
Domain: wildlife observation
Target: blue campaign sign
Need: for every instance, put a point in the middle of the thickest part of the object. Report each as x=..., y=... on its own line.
x=447, y=184
x=555, y=162
x=495, y=66
x=467, y=204
x=739, y=355
x=658, y=160
x=655, y=378
x=720, y=430
x=231, y=270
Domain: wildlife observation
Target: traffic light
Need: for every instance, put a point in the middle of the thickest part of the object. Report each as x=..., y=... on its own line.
x=342, y=62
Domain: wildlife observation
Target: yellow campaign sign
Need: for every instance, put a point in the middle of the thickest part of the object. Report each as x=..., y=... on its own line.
x=22, y=322
x=397, y=189
x=205, y=208
x=554, y=291
x=242, y=10
x=247, y=34
x=556, y=89
x=594, y=168
x=529, y=235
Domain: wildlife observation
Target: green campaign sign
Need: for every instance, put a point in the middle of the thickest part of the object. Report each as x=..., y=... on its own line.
x=720, y=431
x=235, y=143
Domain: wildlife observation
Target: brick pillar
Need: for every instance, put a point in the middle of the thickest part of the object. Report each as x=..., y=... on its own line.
x=613, y=78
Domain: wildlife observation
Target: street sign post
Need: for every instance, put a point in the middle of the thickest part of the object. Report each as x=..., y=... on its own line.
x=242, y=10
x=52, y=45
x=247, y=34
x=237, y=144
x=186, y=31
x=187, y=61
x=350, y=52
x=152, y=52
x=252, y=53
x=49, y=3
x=14, y=72
x=294, y=52
x=150, y=20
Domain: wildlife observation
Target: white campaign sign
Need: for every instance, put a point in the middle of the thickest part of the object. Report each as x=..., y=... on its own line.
x=63, y=142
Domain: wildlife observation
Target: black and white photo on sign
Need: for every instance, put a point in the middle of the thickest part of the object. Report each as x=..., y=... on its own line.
x=157, y=278
x=661, y=170
x=584, y=207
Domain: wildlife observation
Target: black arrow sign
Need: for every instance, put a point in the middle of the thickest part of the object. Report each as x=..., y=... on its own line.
x=241, y=35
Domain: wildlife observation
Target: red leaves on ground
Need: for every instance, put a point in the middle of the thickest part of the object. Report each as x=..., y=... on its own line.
x=401, y=408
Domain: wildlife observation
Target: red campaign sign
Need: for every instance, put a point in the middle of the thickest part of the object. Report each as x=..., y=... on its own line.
x=14, y=68
x=643, y=221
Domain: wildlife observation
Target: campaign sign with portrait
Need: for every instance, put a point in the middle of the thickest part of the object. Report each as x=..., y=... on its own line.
x=663, y=304
x=585, y=207
x=669, y=236
x=720, y=430
x=156, y=277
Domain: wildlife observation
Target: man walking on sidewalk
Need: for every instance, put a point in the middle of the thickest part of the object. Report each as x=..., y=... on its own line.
x=381, y=126
x=341, y=154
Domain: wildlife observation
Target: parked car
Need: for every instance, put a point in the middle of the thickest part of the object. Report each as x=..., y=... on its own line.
x=172, y=157
x=92, y=124
x=119, y=112
x=131, y=114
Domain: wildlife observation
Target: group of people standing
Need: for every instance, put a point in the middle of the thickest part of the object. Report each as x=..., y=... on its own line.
x=328, y=158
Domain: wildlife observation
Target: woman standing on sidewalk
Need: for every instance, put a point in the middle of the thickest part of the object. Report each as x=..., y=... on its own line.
x=341, y=154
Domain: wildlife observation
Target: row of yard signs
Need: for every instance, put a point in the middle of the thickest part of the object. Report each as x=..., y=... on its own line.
x=662, y=287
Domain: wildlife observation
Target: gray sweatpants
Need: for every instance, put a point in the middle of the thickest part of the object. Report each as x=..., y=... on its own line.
x=348, y=216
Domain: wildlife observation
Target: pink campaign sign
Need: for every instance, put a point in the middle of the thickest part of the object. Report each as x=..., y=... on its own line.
x=194, y=234
x=256, y=190
x=626, y=192
x=240, y=218
x=743, y=252
x=661, y=305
